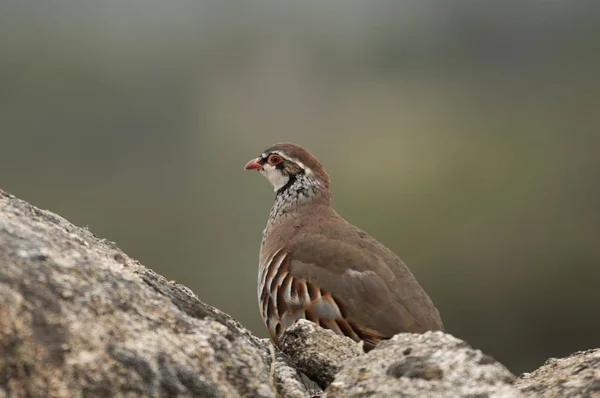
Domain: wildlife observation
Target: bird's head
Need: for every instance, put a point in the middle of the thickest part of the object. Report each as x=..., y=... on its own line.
x=290, y=167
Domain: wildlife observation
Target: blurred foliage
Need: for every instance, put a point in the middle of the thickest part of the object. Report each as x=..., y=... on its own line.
x=462, y=135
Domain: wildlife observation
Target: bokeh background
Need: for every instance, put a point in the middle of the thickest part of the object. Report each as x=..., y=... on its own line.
x=464, y=135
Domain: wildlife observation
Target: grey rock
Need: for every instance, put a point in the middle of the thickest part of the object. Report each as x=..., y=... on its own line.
x=318, y=352
x=577, y=375
x=432, y=364
x=290, y=382
x=78, y=317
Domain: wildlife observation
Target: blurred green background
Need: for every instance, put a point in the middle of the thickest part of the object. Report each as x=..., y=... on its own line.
x=464, y=136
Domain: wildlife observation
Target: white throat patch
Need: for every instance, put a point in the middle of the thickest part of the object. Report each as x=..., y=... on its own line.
x=275, y=177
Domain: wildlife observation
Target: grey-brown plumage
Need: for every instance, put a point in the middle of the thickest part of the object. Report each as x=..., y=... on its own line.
x=315, y=265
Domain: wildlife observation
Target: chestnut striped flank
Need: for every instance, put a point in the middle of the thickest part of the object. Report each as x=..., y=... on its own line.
x=284, y=299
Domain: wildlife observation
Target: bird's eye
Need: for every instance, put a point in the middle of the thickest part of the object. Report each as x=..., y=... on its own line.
x=275, y=159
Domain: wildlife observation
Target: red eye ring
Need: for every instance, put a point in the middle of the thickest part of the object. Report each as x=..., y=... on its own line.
x=275, y=159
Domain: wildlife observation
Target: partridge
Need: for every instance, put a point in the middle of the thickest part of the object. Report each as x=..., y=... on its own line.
x=315, y=265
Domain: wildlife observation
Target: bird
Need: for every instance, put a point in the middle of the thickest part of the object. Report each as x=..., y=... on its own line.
x=315, y=265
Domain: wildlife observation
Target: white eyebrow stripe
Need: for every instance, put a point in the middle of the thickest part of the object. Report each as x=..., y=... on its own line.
x=299, y=163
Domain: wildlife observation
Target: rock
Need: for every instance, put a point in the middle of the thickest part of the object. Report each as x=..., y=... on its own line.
x=78, y=317
x=290, y=381
x=432, y=364
x=317, y=352
x=577, y=375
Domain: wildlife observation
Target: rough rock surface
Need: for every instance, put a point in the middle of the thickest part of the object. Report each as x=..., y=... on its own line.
x=578, y=375
x=317, y=352
x=433, y=364
x=290, y=381
x=78, y=317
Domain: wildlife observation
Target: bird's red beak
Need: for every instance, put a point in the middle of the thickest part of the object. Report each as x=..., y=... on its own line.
x=254, y=164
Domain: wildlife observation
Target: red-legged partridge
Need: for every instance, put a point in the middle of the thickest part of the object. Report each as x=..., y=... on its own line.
x=315, y=265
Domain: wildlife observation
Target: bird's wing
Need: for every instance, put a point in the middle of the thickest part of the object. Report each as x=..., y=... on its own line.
x=338, y=285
